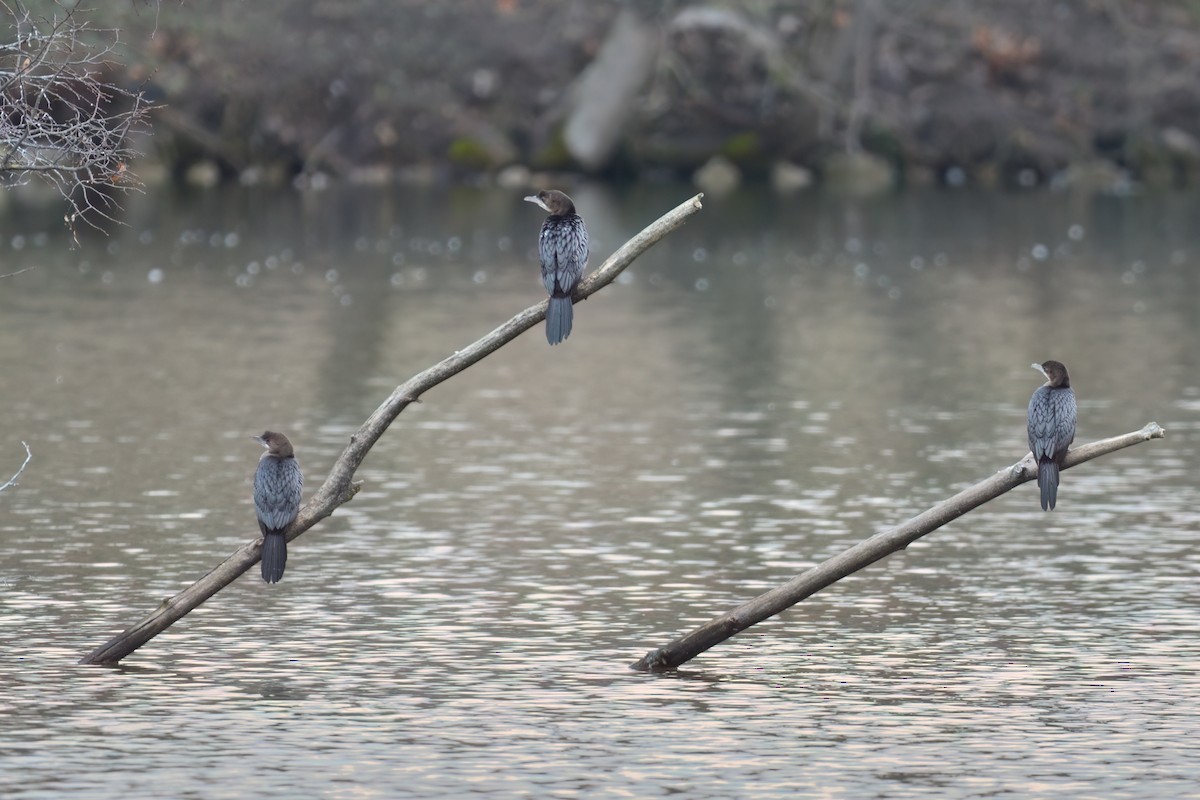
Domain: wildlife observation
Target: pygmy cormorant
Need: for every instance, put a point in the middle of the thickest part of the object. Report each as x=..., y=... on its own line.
x=1051, y=426
x=563, y=248
x=277, y=484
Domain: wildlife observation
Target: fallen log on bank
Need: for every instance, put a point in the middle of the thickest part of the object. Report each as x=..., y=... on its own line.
x=869, y=551
x=339, y=486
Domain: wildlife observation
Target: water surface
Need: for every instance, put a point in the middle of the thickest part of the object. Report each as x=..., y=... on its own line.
x=775, y=382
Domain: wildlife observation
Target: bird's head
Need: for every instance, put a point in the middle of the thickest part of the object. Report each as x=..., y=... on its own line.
x=552, y=201
x=276, y=443
x=1055, y=372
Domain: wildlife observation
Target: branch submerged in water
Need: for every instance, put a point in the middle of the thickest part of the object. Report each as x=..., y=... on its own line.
x=867, y=552
x=339, y=487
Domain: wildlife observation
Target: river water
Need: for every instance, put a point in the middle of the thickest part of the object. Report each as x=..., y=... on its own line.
x=773, y=383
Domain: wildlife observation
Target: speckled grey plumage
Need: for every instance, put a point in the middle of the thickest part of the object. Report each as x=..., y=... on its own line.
x=277, y=486
x=1051, y=428
x=563, y=251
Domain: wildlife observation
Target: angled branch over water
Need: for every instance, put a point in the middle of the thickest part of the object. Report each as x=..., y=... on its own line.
x=339, y=486
x=871, y=550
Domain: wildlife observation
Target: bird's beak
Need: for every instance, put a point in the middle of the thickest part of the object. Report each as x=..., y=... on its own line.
x=258, y=439
x=533, y=198
x=1039, y=368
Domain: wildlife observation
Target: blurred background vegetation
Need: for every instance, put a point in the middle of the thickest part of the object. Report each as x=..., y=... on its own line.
x=871, y=92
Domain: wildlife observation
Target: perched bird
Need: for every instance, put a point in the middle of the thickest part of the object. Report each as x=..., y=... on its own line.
x=277, y=484
x=563, y=248
x=1051, y=426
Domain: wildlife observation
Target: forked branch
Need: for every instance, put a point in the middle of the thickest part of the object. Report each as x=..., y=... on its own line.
x=13, y=480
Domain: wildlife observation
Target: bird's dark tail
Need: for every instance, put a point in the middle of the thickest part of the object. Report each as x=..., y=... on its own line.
x=558, y=319
x=1048, y=483
x=274, y=556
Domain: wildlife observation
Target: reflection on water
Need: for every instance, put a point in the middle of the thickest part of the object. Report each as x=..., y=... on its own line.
x=773, y=383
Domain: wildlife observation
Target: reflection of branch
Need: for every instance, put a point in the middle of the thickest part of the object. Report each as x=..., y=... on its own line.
x=18, y=272
x=339, y=487
x=28, y=457
x=860, y=100
x=868, y=552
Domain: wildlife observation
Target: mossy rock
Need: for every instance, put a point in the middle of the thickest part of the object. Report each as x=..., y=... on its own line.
x=554, y=155
x=858, y=174
x=1093, y=175
x=744, y=149
x=1149, y=161
x=718, y=176
x=882, y=142
x=467, y=153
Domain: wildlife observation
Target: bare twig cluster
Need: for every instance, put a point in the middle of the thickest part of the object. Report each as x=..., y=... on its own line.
x=62, y=119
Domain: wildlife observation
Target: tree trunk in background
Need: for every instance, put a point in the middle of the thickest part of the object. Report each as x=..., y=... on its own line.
x=607, y=95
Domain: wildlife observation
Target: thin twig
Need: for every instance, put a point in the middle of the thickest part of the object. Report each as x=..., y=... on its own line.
x=18, y=272
x=339, y=486
x=28, y=457
x=868, y=552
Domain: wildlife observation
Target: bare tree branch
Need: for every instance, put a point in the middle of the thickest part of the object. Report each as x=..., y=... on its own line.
x=871, y=550
x=338, y=487
x=13, y=480
x=61, y=118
